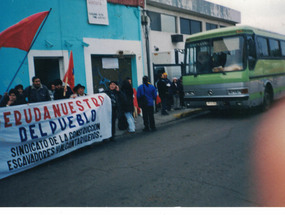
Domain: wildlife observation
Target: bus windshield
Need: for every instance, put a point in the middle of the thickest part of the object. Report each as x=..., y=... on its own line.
x=215, y=55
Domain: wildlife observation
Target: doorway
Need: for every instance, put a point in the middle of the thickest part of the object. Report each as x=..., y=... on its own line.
x=47, y=69
x=110, y=68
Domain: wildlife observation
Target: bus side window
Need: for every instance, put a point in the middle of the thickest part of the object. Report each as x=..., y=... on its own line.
x=251, y=52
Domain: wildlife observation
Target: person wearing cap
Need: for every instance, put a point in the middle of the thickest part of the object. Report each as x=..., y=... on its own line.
x=149, y=91
x=163, y=91
x=78, y=91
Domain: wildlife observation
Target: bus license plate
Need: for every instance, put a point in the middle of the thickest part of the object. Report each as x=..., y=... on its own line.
x=211, y=103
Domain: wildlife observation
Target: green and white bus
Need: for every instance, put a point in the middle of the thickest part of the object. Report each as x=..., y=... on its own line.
x=234, y=67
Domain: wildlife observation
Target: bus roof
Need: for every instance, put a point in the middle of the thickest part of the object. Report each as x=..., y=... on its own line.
x=233, y=30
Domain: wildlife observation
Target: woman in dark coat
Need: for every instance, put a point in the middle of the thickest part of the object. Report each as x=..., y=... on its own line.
x=127, y=105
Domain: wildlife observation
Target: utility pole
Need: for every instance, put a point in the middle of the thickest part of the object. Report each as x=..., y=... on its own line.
x=146, y=34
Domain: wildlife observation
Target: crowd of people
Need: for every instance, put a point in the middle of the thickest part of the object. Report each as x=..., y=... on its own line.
x=126, y=102
x=170, y=93
x=38, y=92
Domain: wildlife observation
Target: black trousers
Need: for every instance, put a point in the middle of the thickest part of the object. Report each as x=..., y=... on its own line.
x=114, y=117
x=163, y=105
x=148, y=117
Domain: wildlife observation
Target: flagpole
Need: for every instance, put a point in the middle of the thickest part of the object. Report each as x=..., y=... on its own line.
x=65, y=87
x=28, y=51
x=66, y=76
x=66, y=80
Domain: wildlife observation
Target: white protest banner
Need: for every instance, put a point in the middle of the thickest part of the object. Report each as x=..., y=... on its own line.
x=36, y=133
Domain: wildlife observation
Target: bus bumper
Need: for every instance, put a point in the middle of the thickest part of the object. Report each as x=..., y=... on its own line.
x=218, y=103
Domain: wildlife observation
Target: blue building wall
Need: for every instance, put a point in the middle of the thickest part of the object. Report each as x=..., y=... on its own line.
x=66, y=24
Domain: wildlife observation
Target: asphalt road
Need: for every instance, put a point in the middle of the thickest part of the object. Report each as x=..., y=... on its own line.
x=201, y=161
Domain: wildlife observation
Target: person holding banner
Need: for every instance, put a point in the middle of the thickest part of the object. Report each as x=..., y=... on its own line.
x=20, y=94
x=17, y=99
x=78, y=91
x=59, y=90
x=37, y=92
x=11, y=99
x=4, y=99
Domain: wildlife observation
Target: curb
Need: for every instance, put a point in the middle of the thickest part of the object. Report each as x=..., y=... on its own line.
x=187, y=113
x=172, y=119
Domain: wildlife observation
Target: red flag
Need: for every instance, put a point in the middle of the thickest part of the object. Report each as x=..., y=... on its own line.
x=22, y=34
x=69, y=75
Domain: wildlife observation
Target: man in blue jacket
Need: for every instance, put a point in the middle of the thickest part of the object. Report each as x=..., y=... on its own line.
x=149, y=91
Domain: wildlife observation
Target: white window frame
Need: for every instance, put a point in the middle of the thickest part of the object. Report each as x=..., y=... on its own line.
x=63, y=64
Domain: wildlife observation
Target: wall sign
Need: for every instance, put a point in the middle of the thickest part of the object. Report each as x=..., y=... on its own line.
x=110, y=63
x=97, y=12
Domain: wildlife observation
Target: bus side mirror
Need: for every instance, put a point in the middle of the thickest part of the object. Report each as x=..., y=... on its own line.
x=251, y=62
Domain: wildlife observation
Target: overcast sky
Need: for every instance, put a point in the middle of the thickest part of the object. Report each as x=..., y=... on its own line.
x=265, y=14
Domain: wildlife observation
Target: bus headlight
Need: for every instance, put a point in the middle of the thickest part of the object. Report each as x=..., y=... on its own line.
x=237, y=91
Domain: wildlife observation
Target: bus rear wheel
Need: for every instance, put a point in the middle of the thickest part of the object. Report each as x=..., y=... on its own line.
x=267, y=99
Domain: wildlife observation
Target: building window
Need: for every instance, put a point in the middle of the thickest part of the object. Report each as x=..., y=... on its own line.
x=196, y=27
x=274, y=48
x=168, y=23
x=210, y=26
x=185, y=26
x=162, y=22
x=188, y=26
x=155, y=21
x=48, y=68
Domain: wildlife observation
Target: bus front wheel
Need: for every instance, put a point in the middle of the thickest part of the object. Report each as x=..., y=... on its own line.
x=267, y=99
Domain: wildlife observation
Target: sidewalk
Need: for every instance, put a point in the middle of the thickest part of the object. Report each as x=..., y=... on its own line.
x=160, y=119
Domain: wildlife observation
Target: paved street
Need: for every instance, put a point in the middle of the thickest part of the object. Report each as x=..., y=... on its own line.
x=199, y=161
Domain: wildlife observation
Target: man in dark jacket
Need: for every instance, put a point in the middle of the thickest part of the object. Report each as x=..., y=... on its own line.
x=59, y=90
x=163, y=93
x=115, y=96
x=37, y=92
